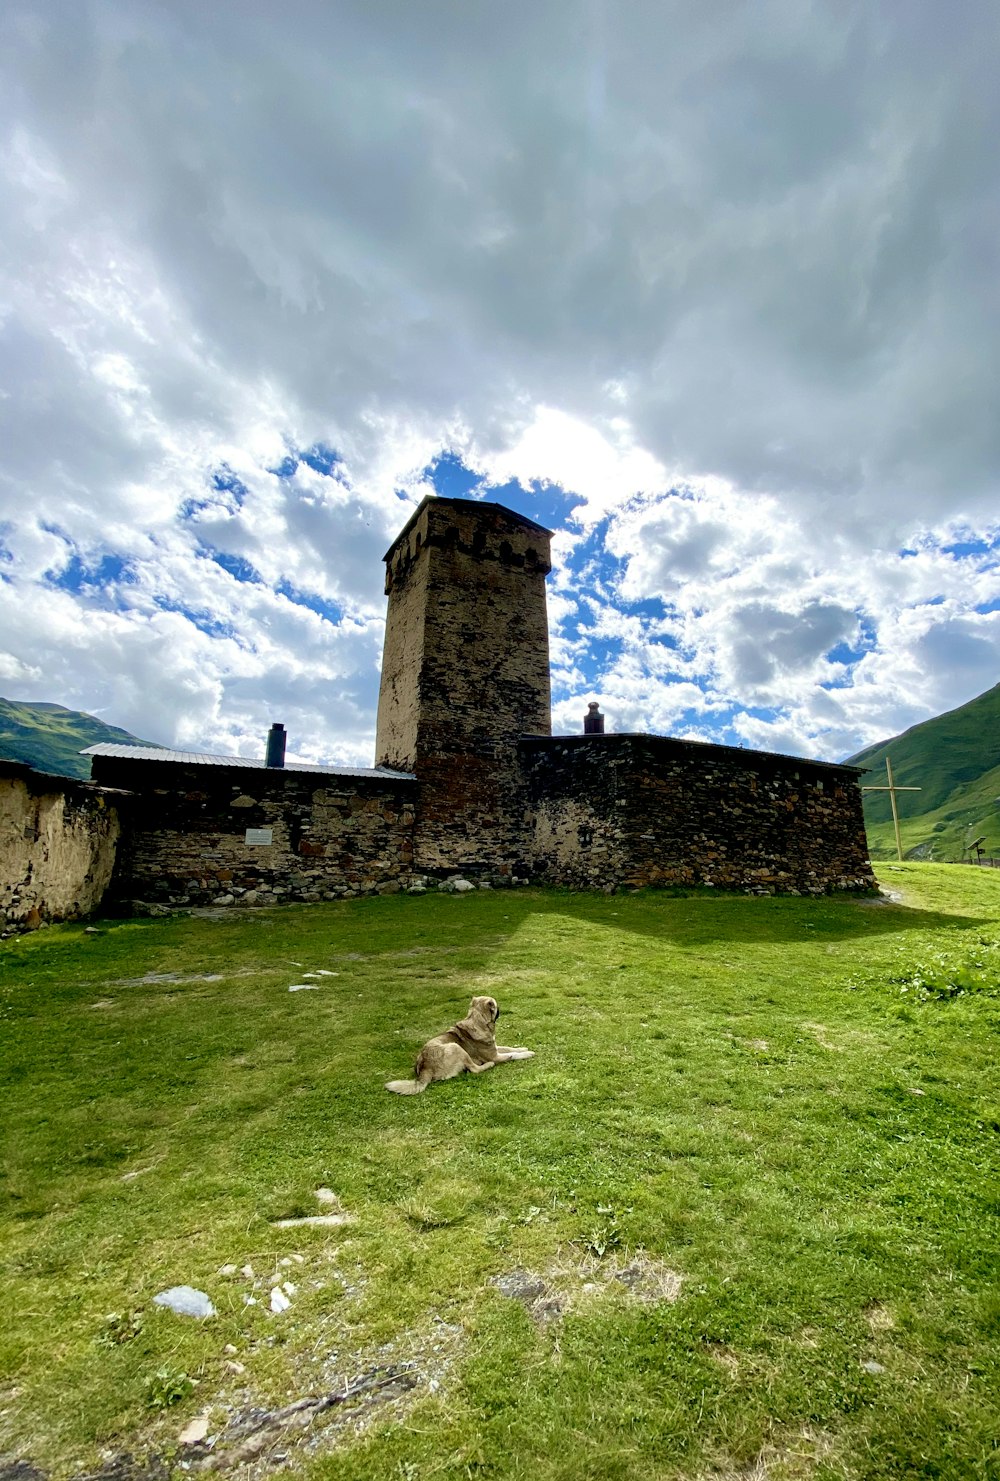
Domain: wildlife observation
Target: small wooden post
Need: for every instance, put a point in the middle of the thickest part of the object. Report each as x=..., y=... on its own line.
x=892, y=789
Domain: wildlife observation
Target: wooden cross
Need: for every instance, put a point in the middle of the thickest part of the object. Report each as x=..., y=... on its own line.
x=892, y=789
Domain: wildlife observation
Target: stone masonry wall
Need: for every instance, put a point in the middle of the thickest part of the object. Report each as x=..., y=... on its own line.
x=465, y=673
x=58, y=842
x=331, y=835
x=638, y=810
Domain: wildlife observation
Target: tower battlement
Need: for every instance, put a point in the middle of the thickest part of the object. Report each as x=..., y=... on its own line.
x=480, y=531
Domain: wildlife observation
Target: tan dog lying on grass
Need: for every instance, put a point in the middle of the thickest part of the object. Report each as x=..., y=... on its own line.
x=469, y=1046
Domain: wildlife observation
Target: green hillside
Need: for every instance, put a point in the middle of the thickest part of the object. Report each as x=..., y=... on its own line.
x=955, y=760
x=50, y=738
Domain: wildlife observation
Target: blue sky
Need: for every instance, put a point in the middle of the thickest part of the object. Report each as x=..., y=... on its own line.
x=710, y=293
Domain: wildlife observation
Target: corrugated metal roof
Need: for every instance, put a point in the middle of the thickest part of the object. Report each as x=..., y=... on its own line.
x=250, y=763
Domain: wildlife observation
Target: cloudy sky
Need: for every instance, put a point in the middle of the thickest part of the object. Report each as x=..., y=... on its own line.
x=712, y=290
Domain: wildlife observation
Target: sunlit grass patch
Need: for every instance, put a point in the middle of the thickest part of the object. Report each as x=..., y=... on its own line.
x=731, y=1099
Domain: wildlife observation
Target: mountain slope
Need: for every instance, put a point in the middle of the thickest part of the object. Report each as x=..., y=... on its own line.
x=50, y=738
x=955, y=761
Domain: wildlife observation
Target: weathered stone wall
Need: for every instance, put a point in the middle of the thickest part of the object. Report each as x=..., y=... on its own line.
x=58, y=842
x=465, y=673
x=331, y=835
x=639, y=810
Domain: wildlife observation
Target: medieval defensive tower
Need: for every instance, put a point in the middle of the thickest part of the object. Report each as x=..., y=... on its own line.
x=465, y=673
x=470, y=778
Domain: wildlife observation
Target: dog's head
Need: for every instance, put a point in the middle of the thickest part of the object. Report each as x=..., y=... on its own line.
x=484, y=1009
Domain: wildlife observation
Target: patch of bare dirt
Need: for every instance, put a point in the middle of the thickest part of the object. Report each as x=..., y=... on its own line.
x=255, y=1435
x=725, y=1357
x=12, y=1469
x=878, y=1317
x=169, y=979
x=821, y=1034
x=237, y=1433
x=353, y=1392
x=569, y=1282
x=787, y=1457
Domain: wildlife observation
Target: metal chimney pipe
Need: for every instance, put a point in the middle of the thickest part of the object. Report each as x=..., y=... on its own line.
x=275, y=746
x=593, y=720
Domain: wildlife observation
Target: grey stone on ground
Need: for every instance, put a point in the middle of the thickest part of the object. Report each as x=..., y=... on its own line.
x=520, y=1285
x=317, y=1221
x=125, y=1467
x=185, y=1301
x=19, y=1470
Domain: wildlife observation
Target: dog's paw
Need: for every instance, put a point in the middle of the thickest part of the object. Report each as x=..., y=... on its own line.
x=522, y=1054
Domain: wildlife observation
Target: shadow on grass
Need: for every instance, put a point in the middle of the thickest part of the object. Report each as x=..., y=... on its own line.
x=701, y=917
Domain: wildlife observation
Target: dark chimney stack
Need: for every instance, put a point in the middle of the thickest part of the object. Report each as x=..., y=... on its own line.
x=275, y=746
x=593, y=720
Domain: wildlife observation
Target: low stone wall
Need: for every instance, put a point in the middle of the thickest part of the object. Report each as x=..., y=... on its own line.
x=235, y=835
x=639, y=810
x=58, y=844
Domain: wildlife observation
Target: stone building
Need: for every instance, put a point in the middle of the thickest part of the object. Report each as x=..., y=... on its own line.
x=469, y=779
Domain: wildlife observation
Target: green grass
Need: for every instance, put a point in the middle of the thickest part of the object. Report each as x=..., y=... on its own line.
x=50, y=737
x=955, y=761
x=941, y=833
x=791, y=1104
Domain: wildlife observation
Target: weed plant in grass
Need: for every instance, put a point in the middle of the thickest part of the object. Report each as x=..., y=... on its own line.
x=744, y=1103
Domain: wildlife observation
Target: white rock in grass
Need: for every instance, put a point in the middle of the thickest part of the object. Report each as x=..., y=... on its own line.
x=279, y=1301
x=195, y=1431
x=326, y=1195
x=185, y=1301
x=317, y=1221
x=304, y=987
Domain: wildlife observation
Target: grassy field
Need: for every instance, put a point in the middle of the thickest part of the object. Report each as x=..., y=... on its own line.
x=737, y=1219
x=50, y=737
x=955, y=761
x=941, y=833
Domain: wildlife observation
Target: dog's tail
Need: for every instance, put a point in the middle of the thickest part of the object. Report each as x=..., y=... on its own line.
x=415, y=1086
x=405, y=1087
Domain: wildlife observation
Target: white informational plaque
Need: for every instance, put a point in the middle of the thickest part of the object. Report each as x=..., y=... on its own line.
x=258, y=835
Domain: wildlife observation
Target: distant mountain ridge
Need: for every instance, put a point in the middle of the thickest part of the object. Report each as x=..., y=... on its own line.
x=955, y=761
x=49, y=737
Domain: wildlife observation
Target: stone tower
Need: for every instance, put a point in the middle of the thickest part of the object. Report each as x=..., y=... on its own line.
x=465, y=673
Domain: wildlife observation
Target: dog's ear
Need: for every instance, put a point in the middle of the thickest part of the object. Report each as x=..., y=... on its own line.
x=480, y=1019
x=494, y=1008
